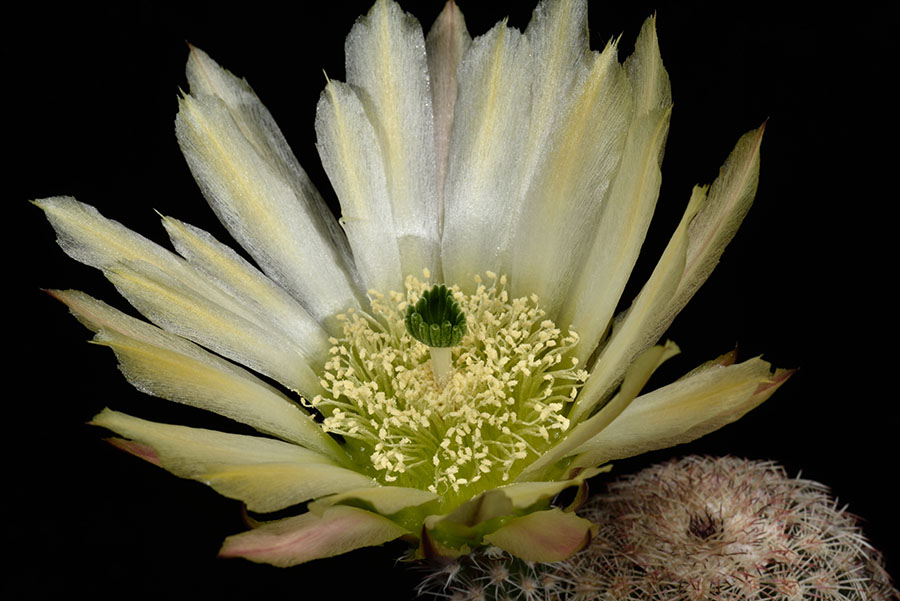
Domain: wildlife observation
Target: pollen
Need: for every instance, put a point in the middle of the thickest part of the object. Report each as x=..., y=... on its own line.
x=505, y=403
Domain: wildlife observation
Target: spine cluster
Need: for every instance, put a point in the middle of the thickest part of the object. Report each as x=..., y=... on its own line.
x=710, y=529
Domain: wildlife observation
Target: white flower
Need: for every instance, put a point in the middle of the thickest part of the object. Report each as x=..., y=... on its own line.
x=520, y=170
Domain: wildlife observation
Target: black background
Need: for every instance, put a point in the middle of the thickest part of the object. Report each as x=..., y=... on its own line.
x=807, y=282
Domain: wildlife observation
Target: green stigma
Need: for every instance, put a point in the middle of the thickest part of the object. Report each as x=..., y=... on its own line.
x=436, y=320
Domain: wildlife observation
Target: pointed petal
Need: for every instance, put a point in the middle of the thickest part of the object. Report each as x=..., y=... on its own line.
x=683, y=411
x=730, y=197
x=166, y=288
x=308, y=536
x=267, y=301
x=386, y=62
x=544, y=536
x=576, y=166
x=557, y=38
x=641, y=324
x=267, y=475
x=628, y=208
x=445, y=45
x=258, y=190
x=353, y=160
x=175, y=307
x=491, y=120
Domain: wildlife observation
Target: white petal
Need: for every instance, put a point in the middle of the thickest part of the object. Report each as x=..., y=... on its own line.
x=168, y=366
x=386, y=63
x=267, y=475
x=577, y=164
x=638, y=327
x=682, y=411
x=628, y=208
x=446, y=43
x=491, y=121
x=255, y=185
x=254, y=291
x=175, y=307
x=182, y=299
x=352, y=157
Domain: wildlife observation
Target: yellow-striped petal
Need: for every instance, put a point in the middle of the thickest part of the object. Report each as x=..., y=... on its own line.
x=175, y=307
x=267, y=475
x=352, y=157
x=253, y=182
x=627, y=209
x=386, y=63
x=575, y=168
x=260, y=296
x=490, y=125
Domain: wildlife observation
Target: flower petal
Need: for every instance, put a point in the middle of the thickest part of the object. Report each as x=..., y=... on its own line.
x=637, y=328
x=526, y=494
x=386, y=63
x=352, y=158
x=544, y=536
x=255, y=185
x=166, y=365
x=176, y=307
x=709, y=223
x=257, y=293
x=683, y=411
x=576, y=166
x=166, y=288
x=309, y=536
x=730, y=197
x=445, y=45
x=491, y=120
x=628, y=208
x=266, y=474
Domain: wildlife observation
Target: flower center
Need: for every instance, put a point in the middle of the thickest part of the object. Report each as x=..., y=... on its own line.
x=503, y=404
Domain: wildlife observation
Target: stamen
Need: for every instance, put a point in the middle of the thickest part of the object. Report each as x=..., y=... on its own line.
x=505, y=401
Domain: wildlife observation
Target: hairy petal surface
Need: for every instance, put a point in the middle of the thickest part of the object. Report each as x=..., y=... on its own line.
x=490, y=125
x=267, y=301
x=309, y=536
x=578, y=161
x=267, y=475
x=353, y=160
x=259, y=191
x=386, y=65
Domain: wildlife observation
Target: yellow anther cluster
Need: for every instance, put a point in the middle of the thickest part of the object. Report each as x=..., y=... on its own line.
x=507, y=398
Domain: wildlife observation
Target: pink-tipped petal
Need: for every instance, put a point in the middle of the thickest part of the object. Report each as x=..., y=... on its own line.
x=137, y=449
x=306, y=537
x=544, y=536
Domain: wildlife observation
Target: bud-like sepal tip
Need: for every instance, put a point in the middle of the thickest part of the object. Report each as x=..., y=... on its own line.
x=436, y=320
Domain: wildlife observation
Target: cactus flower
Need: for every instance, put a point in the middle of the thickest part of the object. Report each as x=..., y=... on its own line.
x=445, y=359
